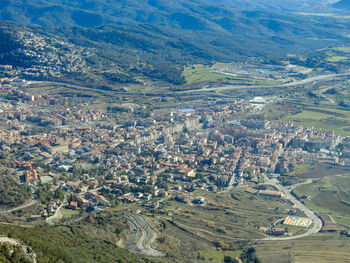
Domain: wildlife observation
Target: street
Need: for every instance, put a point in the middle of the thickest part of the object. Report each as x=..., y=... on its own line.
x=310, y=214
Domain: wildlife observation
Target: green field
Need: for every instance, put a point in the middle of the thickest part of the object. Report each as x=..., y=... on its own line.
x=70, y=212
x=323, y=118
x=203, y=73
x=330, y=195
x=218, y=256
x=337, y=59
x=301, y=168
x=200, y=73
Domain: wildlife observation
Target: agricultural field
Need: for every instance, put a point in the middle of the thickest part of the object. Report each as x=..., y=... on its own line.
x=323, y=247
x=224, y=222
x=322, y=118
x=305, y=172
x=200, y=73
x=203, y=73
x=329, y=195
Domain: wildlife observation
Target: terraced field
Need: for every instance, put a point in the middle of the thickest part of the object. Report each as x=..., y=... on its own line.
x=330, y=195
x=326, y=247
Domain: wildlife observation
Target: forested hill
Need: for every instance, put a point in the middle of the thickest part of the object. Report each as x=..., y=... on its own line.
x=196, y=14
x=156, y=38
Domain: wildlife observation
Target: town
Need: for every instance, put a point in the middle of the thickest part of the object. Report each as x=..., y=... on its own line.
x=82, y=158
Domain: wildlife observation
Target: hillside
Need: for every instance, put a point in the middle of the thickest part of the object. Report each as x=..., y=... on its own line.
x=194, y=14
x=133, y=41
x=94, y=240
x=12, y=193
x=342, y=4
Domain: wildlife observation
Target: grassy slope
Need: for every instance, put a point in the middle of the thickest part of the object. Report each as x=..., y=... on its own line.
x=328, y=195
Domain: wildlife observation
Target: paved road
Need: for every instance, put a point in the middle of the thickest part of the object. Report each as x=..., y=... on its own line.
x=34, y=201
x=291, y=84
x=148, y=236
x=27, y=251
x=310, y=214
x=230, y=185
x=57, y=215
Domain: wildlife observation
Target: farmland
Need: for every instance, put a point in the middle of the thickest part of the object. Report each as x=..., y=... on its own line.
x=328, y=195
x=224, y=222
x=323, y=118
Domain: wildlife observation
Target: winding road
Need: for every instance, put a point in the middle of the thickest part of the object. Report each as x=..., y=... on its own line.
x=317, y=223
x=148, y=236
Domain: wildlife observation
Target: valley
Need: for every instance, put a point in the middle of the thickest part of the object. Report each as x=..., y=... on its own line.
x=184, y=131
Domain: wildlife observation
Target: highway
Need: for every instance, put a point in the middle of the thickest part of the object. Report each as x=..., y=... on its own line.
x=317, y=223
x=148, y=236
x=290, y=84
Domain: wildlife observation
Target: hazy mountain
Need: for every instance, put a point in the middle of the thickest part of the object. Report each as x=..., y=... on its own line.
x=158, y=37
x=190, y=14
x=342, y=4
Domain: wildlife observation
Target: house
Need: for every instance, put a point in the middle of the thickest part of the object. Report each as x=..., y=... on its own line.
x=101, y=200
x=73, y=205
x=269, y=193
x=188, y=172
x=277, y=231
x=152, y=205
x=252, y=191
x=83, y=201
x=129, y=199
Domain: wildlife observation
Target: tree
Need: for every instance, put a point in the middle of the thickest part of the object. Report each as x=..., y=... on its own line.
x=59, y=194
x=227, y=259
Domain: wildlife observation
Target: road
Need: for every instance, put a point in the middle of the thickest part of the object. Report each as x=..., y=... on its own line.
x=32, y=202
x=291, y=84
x=27, y=251
x=57, y=215
x=229, y=186
x=148, y=236
x=317, y=223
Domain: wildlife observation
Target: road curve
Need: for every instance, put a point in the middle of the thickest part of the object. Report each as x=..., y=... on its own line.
x=317, y=223
x=148, y=236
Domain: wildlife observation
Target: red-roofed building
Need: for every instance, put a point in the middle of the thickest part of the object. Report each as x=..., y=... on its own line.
x=73, y=205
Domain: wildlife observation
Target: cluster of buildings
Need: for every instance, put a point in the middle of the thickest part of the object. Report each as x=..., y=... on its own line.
x=102, y=162
x=49, y=57
x=285, y=72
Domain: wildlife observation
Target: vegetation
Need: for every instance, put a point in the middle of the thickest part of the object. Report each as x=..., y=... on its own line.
x=12, y=193
x=93, y=240
x=328, y=195
x=10, y=254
